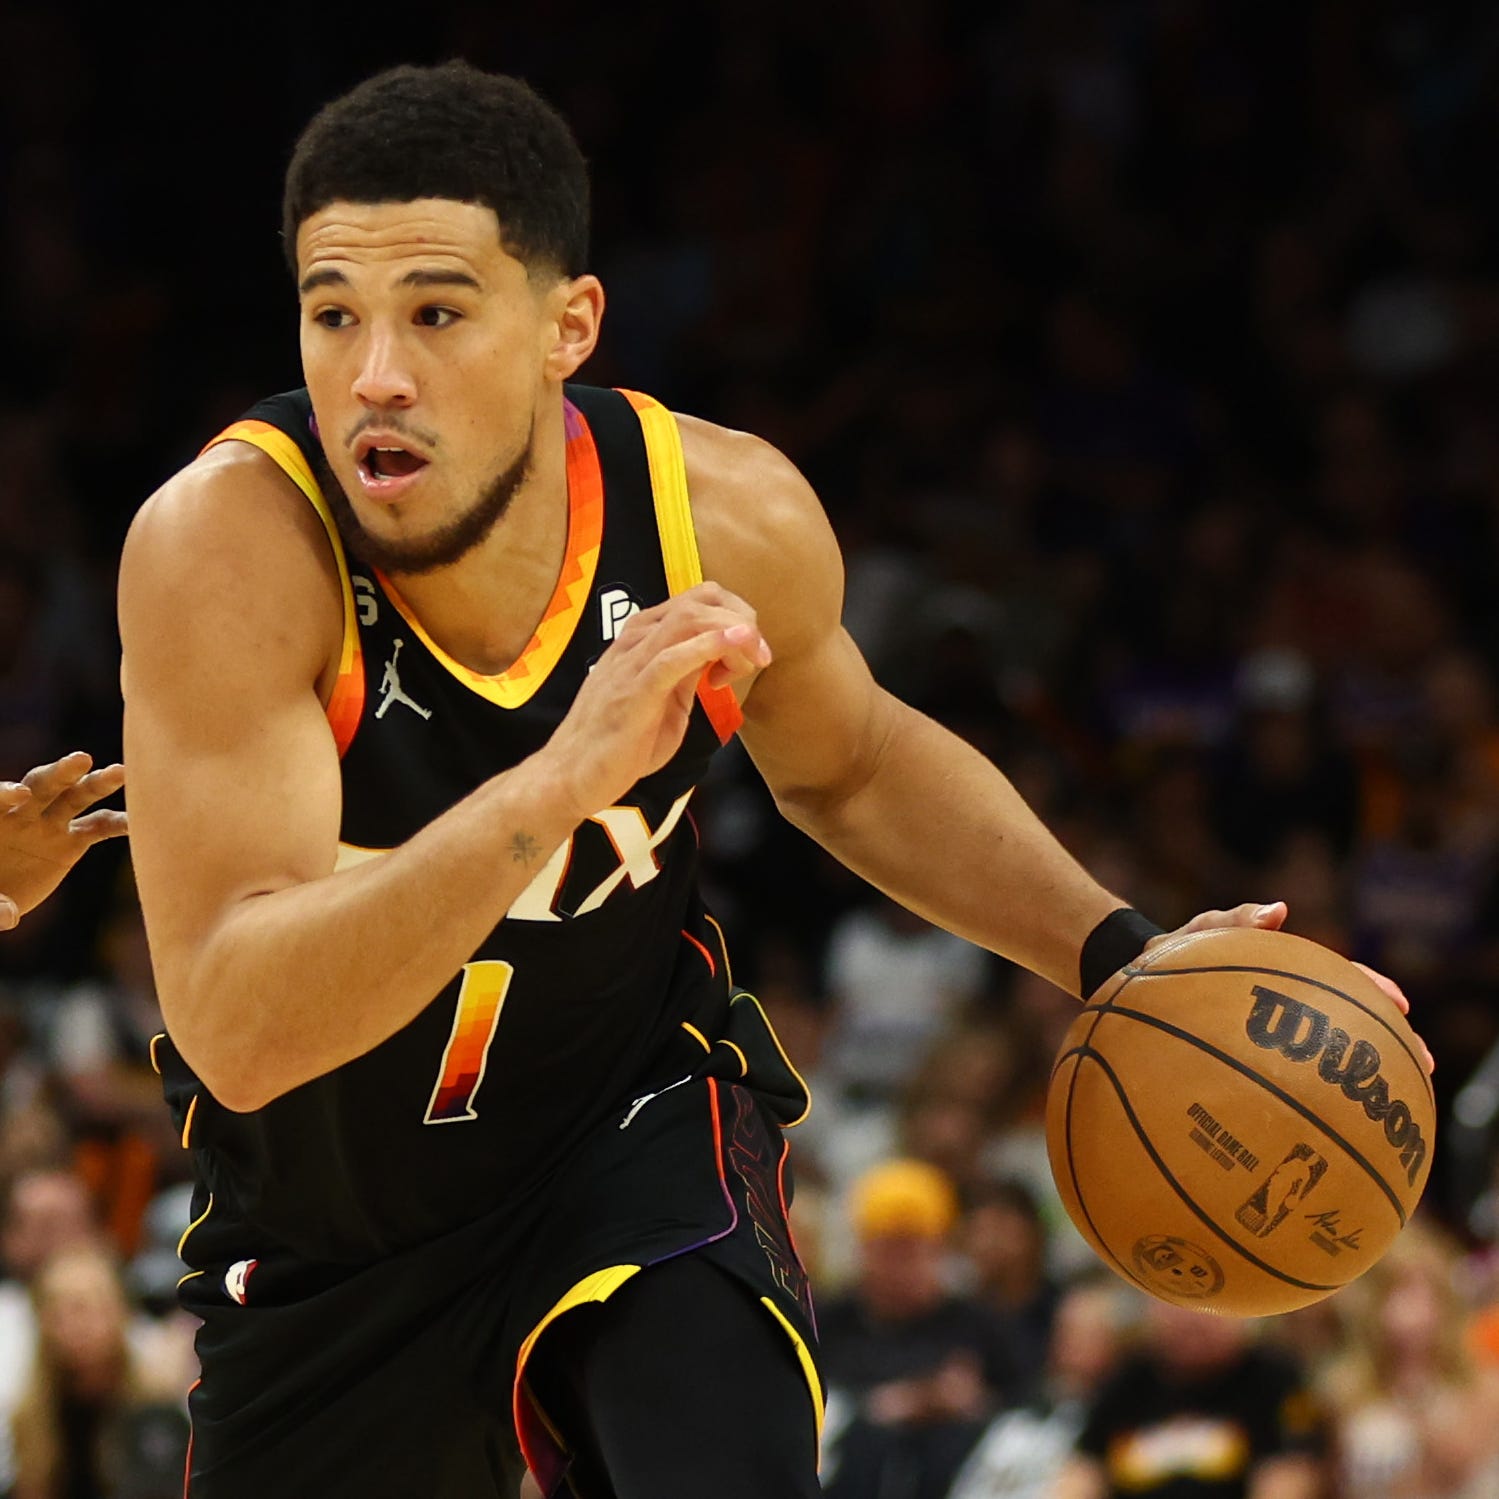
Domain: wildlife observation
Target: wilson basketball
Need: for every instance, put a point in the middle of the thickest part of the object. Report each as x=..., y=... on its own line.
x=1240, y=1122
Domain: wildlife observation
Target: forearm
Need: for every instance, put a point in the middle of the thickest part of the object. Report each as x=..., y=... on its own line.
x=297, y=981
x=939, y=828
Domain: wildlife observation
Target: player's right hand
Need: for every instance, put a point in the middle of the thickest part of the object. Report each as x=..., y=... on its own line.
x=630, y=716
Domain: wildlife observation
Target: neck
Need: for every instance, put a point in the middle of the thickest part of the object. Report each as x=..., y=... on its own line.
x=484, y=608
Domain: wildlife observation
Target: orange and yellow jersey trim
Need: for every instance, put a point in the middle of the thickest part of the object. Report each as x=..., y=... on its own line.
x=345, y=703
x=585, y=533
x=684, y=568
x=518, y=683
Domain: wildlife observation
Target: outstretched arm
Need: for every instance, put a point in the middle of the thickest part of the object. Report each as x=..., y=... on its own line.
x=896, y=797
x=46, y=828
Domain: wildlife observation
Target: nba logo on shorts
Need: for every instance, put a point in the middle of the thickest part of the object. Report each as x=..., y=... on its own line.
x=237, y=1278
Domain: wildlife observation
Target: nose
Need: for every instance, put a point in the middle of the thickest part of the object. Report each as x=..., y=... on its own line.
x=384, y=378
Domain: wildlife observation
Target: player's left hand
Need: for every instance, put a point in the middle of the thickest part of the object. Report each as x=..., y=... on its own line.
x=1397, y=994
x=46, y=827
x=1272, y=917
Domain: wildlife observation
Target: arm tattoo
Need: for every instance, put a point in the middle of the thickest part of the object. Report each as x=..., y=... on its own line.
x=523, y=848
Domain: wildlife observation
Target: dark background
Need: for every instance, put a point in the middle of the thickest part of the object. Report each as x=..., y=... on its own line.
x=1144, y=355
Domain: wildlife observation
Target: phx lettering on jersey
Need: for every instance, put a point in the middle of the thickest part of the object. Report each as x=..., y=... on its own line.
x=1302, y=1033
x=635, y=846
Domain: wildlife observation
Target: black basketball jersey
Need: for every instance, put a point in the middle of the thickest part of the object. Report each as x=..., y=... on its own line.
x=607, y=970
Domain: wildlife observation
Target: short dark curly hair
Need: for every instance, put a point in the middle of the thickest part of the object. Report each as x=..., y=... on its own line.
x=450, y=131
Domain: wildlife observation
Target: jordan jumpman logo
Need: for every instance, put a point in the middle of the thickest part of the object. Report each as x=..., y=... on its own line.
x=390, y=685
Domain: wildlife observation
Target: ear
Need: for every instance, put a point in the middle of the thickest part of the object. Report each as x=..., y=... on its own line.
x=574, y=325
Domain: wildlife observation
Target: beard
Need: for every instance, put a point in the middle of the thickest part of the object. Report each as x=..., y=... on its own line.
x=440, y=548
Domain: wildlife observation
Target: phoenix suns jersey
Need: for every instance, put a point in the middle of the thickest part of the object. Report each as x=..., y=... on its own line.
x=607, y=974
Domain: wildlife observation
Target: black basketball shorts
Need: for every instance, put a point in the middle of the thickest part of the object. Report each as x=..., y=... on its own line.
x=408, y=1379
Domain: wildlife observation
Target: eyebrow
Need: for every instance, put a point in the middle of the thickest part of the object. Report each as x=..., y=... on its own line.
x=332, y=277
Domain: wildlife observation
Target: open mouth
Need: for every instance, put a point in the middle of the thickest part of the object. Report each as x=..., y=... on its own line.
x=391, y=463
x=386, y=465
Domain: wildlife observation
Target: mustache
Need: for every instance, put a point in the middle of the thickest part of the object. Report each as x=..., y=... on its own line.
x=391, y=423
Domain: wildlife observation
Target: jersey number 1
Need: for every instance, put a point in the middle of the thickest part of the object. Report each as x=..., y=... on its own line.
x=480, y=999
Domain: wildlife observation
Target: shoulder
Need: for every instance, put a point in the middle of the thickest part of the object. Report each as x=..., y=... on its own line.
x=762, y=532
x=230, y=492
x=230, y=533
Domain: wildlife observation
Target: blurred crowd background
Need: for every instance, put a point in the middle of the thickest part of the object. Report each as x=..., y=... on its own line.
x=1145, y=354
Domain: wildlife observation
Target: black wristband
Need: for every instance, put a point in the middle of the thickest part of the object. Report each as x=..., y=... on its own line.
x=1118, y=939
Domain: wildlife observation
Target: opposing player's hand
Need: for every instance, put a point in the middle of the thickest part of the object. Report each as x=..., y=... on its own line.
x=630, y=716
x=1272, y=917
x=46, y=827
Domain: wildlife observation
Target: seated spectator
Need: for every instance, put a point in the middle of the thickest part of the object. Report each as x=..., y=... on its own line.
x=1311, y=1335
x=1015, y=1148
x=1200, y=1411
x=1310, y=877
x=95, y=1037
x=963, y=1089
x=33, y=1134
x=78, y=1424
x=958, y=1091
x=44, y=1211
x=1004, y=1239
x=900, y=1321
x=1282, y=771
x=1024, y=1449
x=1461, y=700
x=895, y=982
x=1414, y=1412
x=915, y=1368
x=1418, y=894
x=97, y=1034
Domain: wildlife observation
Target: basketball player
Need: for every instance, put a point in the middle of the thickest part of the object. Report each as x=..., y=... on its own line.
x=422, y=664
x=46, y=828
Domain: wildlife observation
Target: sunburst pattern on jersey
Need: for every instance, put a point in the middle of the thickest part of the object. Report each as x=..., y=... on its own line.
x=585, y=530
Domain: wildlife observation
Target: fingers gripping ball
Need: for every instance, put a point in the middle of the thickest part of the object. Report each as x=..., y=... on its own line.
x=1241, y=1123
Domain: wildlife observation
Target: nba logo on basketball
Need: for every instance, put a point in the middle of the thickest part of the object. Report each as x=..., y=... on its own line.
x=237, y=1279
x=1291, y=1182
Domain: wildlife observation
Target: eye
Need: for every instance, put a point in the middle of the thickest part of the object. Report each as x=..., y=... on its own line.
x=437, y=317
x=332, y=317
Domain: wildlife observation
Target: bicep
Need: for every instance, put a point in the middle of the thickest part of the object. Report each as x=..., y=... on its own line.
x=815, y=721
x=234, y=786
x=232, y=794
